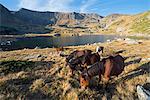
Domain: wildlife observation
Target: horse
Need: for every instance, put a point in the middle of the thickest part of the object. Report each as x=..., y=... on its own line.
x=74, y=55
x=82, y=62
x=90, y=59
x=111, y=66
x=78, y=53
x=100, y=49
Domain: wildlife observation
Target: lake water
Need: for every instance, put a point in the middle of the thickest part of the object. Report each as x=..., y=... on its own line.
x=44, y=42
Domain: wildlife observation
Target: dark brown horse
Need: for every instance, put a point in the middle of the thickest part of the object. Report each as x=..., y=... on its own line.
x=86, y=60
x=90, y=59
x=74, y=55
x=78, y=53
x=82, y=62
x=111, y=66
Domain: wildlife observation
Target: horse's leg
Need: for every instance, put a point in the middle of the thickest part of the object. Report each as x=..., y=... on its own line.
x=99, y=78
x=108, y=68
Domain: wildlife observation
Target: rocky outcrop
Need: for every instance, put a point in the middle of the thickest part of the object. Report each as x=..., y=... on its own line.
x=30, y=21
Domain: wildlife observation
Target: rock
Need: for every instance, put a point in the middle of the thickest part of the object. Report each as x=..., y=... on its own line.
x=131, y=41
x=108, y=40
x=143, y=94
x=146, y=59
x=120, y=29
x=95, y=44
x=33, y=56
x=118, y=39
x=37, y=47
x=57, y=34
x=127, y=39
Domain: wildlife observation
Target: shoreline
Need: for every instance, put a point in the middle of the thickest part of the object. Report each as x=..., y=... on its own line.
x=52, y=35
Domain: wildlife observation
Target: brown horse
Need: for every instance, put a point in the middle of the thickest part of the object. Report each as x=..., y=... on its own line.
x=90, y=59
x=82, y=62
x=86, y=60
x=78, y=53
x=111, y=66
x=74, y=55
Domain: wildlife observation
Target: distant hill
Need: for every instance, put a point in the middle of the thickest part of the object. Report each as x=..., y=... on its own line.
x=127, y=24
x=28, y=21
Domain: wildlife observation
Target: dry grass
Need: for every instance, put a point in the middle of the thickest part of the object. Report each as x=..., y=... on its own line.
x=46, y=75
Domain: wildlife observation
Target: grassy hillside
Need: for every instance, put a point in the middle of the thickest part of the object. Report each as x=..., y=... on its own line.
x=142, y=23
x=127, y=24
x=114, y=24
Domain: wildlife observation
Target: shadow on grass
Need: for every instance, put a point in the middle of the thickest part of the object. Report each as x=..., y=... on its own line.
x=7, y=67
x=133, y=62
x=143, y=69
x=110, y=88
x=17, y=88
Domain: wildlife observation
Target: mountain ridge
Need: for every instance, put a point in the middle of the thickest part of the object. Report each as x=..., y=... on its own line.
x=29, y=21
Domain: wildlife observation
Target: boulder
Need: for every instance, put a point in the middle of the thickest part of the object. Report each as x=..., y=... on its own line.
x=131, y=41
x=143, y=94
x=32, y=56
x=57, y=34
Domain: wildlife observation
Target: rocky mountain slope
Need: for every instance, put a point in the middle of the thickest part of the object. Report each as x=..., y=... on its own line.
x=29, y=21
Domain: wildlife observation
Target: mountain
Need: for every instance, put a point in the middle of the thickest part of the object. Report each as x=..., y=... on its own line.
x=8, y=21
x=28, y=21
x=127, y=24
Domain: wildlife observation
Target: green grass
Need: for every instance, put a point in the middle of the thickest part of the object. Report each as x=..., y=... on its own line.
x=142, y=24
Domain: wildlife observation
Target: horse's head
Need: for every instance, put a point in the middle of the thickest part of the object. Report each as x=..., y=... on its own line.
x=99, y=49
x=84, y=80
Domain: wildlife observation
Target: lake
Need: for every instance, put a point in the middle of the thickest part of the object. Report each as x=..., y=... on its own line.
x=44, y=42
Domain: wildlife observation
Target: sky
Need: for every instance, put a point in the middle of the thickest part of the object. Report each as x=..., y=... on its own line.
x=102, y=7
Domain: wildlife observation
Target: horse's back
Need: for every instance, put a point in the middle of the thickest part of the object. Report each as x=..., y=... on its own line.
x=118, y=65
